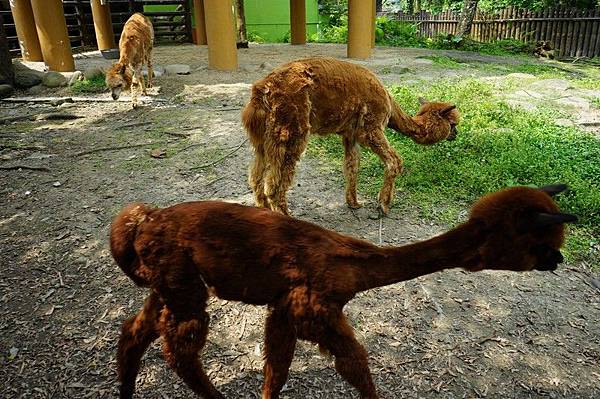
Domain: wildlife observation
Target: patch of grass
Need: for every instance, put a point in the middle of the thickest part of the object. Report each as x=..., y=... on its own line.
x=445, y=61
x=94, y=85
x=595, y=102
x=497, y=147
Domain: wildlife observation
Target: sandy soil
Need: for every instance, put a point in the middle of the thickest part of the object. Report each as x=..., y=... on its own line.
x=449, y=335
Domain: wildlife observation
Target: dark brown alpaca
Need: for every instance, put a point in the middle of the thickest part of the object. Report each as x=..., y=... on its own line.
x=304, y=273
x=323, y=96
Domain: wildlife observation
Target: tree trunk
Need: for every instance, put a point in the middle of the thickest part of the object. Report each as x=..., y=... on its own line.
x=242, y=38
x=466, y=17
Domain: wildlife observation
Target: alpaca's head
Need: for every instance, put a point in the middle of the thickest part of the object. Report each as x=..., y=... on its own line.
x=118, y=79
x=522, y=227
x=437, y=120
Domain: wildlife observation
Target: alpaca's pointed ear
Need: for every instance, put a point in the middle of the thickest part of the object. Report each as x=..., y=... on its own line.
x=553, y=189
x=422, y=101
x=548, y=219
x=447, y=109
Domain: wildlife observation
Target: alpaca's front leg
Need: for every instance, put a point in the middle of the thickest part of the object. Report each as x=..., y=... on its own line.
x=351, y=163
x=280, y=342
x=134, y=88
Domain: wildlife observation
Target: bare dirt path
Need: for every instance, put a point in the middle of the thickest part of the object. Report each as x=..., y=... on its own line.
x=62, y=300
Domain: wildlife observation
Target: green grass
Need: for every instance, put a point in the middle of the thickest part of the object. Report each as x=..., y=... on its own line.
x=94, y=85
x=497, y=147
x=445, y=61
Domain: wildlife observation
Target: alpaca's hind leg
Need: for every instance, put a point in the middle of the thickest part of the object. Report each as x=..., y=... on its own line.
x=150, y=68
x=184, y=327
x=379, y=144
x=137, y=334
x=256, y=176
x=280, y=342
x=351, y=162
x=280, y=173
x=350, y=357
x=141, y=80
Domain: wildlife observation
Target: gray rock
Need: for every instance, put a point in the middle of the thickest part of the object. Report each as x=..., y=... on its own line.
x=564, y=122
x=551, y=84
x=177, y=69
x=574, y=102
x=37, y=89
x=521, y=104
x=26, y=77
x=6, y=91
x=54, y=79
x=92, y=72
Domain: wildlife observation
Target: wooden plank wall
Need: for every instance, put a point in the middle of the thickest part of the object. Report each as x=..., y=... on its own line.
x=169, y=26
x=572, y=32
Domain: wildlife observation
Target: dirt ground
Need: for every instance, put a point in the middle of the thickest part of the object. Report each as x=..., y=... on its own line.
x=62, y=299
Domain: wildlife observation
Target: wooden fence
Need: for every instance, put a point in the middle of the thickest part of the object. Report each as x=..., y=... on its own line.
x=573, y=33
x=173, y=25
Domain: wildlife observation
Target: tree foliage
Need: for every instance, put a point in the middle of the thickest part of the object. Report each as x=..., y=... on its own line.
x=488, y=5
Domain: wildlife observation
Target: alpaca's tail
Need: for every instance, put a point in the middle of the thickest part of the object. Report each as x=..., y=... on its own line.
x=122, y=237
x=254, y=116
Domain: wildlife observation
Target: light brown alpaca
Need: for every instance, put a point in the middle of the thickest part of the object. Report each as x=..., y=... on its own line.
x=304, y=273
x=323, y=96
x=135, y=47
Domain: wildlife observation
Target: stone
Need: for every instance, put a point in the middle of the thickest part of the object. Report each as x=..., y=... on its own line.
x=92, y=72
x=177, y=69
x=6, y=91
x=157, y=69
x=574, y=102
x=521, y=104
x=564, y=122
x=551, y=84
x=26, y=77
x=35, y=90
x=54, y=79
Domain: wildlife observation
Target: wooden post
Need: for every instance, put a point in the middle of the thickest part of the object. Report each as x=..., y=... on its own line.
x=52, y=30
x=26, y=32
x=298, y=21
x=359, y=29
x=105, y=36
x=220, y=34
x=373, y=23
x=200, y=27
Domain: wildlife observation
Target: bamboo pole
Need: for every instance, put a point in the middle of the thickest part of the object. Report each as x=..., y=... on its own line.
x=298, y=21
x=220, y=34
x=52, y=31
x=105, y=36
x=26, y=32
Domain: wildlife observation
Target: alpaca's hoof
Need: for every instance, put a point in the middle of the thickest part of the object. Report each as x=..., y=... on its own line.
x=353, y=204
x=135, y=105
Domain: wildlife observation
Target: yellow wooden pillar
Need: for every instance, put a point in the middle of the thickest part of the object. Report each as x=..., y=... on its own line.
x=373, y=23
x=360, y=18
x=220, y=34
x=105, y=36
x=26, y=32
x=200, y=27
x=298, y=21
x=52, y=30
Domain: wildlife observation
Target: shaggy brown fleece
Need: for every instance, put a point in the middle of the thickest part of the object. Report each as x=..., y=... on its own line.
x=135, y=47
x=323, y=96
x=304, y=273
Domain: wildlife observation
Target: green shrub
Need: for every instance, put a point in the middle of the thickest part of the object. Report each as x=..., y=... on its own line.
x=391, y=32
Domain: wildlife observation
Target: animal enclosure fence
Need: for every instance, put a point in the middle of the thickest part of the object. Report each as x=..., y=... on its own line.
x=171, y=19
x=572, y=32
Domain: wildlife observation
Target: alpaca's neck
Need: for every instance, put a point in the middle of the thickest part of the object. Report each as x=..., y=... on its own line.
x=404, y=123
x=456, y=248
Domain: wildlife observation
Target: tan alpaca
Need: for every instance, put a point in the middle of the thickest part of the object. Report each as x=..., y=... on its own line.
x=135, y=47
x=323, y=96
